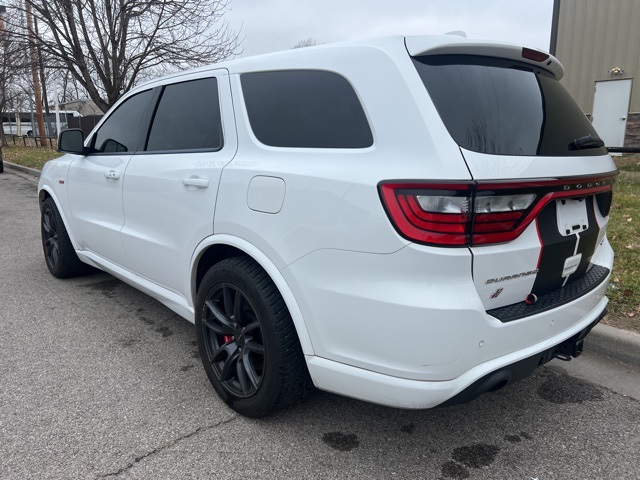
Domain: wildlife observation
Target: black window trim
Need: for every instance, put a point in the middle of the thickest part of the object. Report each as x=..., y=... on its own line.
x=173, y=152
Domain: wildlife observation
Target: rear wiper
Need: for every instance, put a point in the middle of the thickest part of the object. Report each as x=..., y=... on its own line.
x=587, y=142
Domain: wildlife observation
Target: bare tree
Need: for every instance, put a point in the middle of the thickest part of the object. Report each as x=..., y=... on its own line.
x=70, y=88
x=307, y=42
x=109, y=46
x=14, y=65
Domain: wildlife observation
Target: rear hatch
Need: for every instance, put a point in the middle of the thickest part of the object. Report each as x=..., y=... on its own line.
x=538, y=206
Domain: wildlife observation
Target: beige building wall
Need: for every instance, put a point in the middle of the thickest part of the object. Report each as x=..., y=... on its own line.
x=593, y=37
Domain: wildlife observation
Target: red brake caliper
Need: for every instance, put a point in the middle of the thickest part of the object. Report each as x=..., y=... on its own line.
x=227, y=338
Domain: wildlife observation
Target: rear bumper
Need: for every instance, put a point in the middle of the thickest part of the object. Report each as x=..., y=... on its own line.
x=572, y=347
x=405, y=393
x=416, y=314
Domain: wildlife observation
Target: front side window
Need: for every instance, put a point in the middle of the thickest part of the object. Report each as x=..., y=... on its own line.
x=305, y=109
x=121, y=131
x=187, y=118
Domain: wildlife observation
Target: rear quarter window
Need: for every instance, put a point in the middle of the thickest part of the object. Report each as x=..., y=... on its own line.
x=305, y=109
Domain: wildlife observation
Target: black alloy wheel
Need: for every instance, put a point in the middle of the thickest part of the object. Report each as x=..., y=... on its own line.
x=50, y=238
x=62, y=260
x=248, y=343
x=233, y=340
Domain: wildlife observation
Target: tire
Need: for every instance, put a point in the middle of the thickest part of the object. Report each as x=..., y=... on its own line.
x=1, y=166
x=247, y=341
x=59, y=253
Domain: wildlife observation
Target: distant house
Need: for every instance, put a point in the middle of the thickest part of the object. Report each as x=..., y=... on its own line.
x=598, y=42
x=89, y=116
x=85, y=107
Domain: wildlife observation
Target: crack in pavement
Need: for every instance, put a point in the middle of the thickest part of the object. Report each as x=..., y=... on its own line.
x=167, y=446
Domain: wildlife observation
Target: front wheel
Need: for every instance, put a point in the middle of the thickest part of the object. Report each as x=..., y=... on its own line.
x=247, y=340
x=59, y=253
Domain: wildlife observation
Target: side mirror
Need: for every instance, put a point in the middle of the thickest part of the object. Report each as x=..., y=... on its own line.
x=71, y=141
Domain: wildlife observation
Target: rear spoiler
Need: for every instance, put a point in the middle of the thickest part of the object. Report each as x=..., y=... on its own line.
x=426, y=46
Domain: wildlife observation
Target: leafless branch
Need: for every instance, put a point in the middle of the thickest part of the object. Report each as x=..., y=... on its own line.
x=108, y=46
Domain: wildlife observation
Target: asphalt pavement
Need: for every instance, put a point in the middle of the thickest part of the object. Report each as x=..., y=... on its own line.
x=98, y=380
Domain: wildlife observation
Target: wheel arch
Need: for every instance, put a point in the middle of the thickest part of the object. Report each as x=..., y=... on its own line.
x=43, y=194
x=218, y=247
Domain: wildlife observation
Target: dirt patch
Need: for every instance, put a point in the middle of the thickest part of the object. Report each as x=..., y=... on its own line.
x=623, y=321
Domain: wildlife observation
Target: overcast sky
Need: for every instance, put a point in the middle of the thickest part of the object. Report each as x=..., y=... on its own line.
x=272, y=25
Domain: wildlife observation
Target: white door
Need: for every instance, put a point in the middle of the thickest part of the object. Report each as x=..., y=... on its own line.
x=95, y=181
x=171, y=185
x=610, y=108
x=95, y=197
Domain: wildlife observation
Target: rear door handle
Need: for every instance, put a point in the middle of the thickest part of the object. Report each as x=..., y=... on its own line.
x=112, y=175
x=195, y=182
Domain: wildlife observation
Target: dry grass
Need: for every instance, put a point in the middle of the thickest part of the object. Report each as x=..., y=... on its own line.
x=624, y=234
x=32, y=157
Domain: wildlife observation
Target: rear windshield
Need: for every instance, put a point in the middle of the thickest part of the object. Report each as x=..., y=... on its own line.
x=503, y=107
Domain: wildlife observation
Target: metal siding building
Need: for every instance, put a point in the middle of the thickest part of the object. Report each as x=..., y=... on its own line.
x=599, y=41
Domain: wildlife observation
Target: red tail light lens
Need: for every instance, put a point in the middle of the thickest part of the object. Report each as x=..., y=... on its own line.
x=499, y=214
x=438, y=214
x=476, y=213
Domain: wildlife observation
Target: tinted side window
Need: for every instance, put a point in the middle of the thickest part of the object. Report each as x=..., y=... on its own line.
x=187, y=118
x=121, y=131
x=305, y=108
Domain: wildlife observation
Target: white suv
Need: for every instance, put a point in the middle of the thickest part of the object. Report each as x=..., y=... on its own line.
x=410, y=221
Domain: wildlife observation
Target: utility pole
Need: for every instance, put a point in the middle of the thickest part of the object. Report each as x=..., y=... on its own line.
x=35, y=73
x=2, y=10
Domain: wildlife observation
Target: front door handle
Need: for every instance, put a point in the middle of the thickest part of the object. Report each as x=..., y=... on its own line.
x=112, y=175
x=195, y=181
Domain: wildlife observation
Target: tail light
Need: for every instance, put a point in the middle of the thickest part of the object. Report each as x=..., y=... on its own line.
x=458, y=214
x=535, y=55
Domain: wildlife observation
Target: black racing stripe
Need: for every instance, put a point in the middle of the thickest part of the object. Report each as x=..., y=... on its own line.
x=555, y=250
x=570, y=292
x=588, y=241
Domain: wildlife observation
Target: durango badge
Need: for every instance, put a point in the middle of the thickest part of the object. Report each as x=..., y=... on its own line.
x=511, y=277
